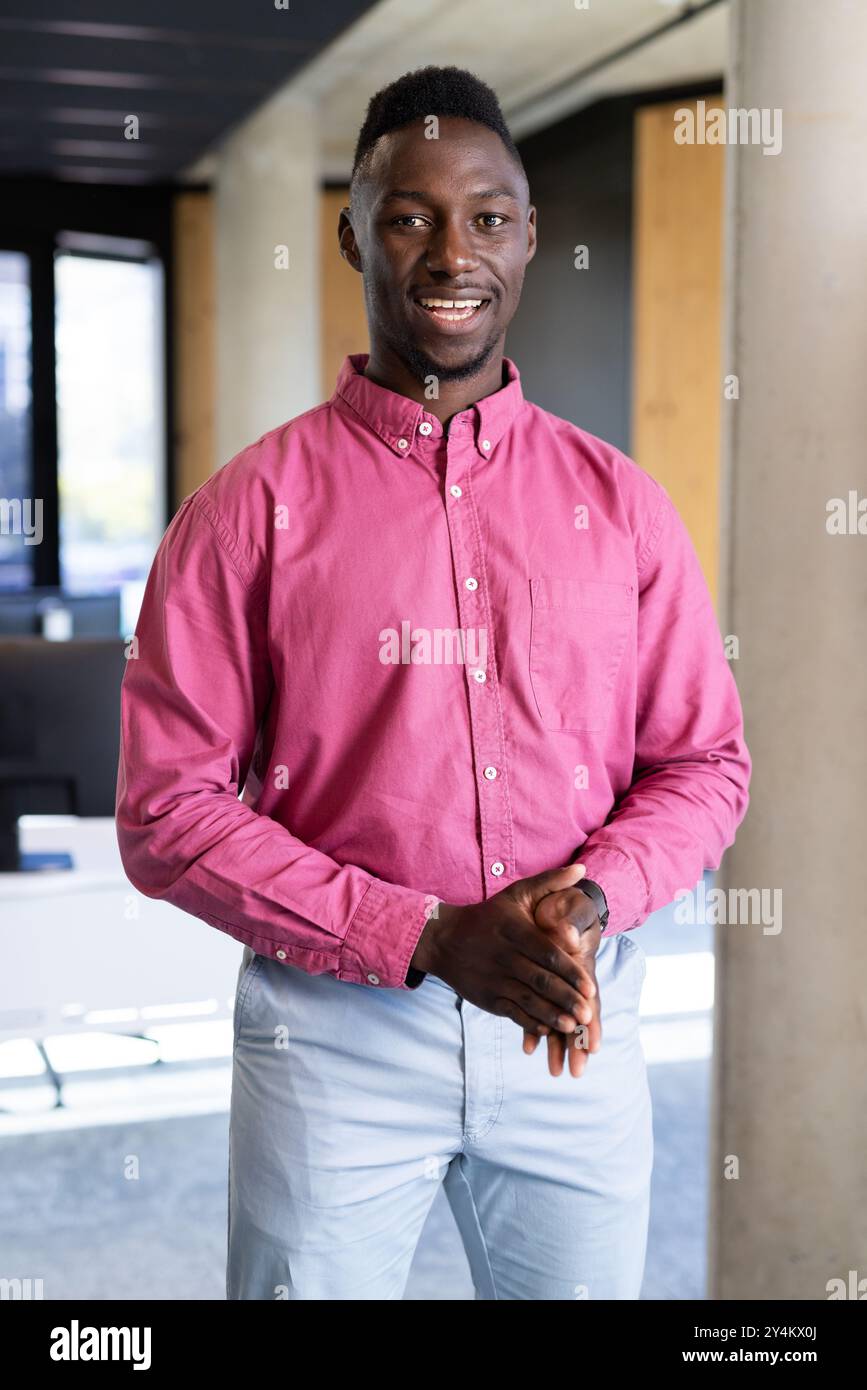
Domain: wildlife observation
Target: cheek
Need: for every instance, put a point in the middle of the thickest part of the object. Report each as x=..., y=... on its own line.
x=516, y=280
x=511, y=278
x=380, y=294
x=381, y=272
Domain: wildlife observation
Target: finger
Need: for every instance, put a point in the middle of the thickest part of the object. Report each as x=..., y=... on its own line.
x=540, y=947
x=537, y=886
x=575, y=1046
x=531, y=1040
x=565, y=914
x=528, y=1004
x=584, y=959
x=578, y=1058
x=555, y=990
x=558, y=1048
x=570, y=909
x=507, y=1007
x=586, y=967
x=592, y=1037
x=541, y=1031
x=576, y=944
x=556, y=1053
x=569, y=1045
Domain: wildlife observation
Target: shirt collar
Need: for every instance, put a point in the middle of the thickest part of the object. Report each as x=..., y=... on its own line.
x=396, y=419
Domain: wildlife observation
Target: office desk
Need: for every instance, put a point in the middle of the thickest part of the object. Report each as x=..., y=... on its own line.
x=81, y=950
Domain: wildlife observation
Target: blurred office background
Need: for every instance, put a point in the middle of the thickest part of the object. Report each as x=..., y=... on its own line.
x=150, y=167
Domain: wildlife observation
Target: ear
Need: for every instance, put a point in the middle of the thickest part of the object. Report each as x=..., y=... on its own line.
x=531, y=233
x=346, y=239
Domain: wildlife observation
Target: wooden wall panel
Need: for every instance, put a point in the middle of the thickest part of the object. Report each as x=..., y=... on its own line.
x=677, y=312
x=344, y=323
x=194, y=343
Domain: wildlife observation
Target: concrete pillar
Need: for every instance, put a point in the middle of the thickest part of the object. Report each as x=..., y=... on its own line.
x=791, y=1080
x=267, y=197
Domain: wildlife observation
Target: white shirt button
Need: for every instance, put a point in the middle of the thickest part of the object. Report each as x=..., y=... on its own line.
x=498, y=868
x=471, y=583
x=490, y=773
x=402, y=444
x=486, y=443
x=480, y=677
x=281, y=955
x=374, y=979
x=455, y=490
x=425, y=427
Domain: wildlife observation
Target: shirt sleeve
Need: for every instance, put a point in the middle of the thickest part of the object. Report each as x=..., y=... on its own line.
x=692, y=767
x=194, y=693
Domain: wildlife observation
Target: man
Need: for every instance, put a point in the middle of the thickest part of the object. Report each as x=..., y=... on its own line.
x=460, y=658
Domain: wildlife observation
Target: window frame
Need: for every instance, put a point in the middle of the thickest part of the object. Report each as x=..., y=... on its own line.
x=41, y=211
x=43, y=407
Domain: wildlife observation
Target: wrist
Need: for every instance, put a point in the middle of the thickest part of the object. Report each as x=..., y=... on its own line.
x=427, y=951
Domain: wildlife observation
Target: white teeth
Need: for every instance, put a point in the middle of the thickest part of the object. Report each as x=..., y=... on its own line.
x=451, y=303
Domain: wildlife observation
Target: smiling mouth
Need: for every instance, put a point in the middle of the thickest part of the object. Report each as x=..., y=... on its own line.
x=451, y=311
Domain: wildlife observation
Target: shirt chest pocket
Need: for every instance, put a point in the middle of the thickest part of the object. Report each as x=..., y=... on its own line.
x=579, y=632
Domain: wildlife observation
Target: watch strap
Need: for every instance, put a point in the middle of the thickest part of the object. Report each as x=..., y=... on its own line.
x=597, y=897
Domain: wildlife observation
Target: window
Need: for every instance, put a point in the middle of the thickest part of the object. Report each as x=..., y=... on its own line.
x=84, y=441
x=110, y=413
x=19, y=510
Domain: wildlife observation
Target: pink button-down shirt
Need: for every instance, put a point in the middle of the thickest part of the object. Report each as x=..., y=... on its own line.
x=434, y=662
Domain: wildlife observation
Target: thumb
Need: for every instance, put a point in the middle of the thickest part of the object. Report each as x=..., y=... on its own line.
x=538, y=886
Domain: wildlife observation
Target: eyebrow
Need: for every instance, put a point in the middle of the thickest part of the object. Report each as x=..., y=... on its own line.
x=418, y=195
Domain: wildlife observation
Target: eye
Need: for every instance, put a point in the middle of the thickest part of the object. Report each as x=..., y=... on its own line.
x=495, y=215
x=407, y=217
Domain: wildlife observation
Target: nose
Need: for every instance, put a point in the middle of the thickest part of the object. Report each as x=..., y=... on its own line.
x=450, y=251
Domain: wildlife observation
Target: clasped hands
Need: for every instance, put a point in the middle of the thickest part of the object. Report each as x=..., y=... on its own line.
x=527, y=953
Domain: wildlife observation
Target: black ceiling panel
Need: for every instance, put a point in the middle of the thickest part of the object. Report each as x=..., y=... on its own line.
x=72, y=72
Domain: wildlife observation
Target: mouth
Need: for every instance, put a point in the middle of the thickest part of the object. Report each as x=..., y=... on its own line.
x=452, y=315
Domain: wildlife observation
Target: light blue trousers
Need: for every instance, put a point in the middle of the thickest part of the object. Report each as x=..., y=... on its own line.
x=350, y=1105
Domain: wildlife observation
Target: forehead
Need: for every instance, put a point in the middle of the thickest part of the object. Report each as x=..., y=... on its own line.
x=462, y=152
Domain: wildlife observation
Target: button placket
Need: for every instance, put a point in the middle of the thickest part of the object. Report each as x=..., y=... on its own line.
x=482, y=686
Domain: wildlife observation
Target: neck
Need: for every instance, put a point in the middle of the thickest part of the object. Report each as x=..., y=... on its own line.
x=386, y=369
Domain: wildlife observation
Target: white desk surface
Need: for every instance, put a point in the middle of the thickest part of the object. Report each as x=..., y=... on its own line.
x=80, y=945
x=90, y=841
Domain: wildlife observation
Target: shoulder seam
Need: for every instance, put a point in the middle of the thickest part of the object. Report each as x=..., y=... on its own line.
x=226, y=539
x=649, y=547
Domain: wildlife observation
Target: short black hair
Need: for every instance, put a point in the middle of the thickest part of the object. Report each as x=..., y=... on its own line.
x=430, y=91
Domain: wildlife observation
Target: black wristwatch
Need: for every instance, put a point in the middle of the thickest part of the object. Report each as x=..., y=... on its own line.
x=594, y=892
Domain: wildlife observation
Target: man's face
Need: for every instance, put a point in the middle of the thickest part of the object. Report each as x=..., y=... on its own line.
x=444, y=219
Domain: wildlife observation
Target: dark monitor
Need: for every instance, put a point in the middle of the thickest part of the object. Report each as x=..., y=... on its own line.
x=59, y=731
x=88, y=615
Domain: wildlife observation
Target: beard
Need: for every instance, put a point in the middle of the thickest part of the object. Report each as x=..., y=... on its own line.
x=417, y=361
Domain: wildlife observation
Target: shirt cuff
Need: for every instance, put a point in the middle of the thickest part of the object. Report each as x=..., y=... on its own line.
x=383, y=935
x=622, y=883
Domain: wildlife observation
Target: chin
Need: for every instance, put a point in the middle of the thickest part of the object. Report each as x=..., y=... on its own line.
x=460, y=360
